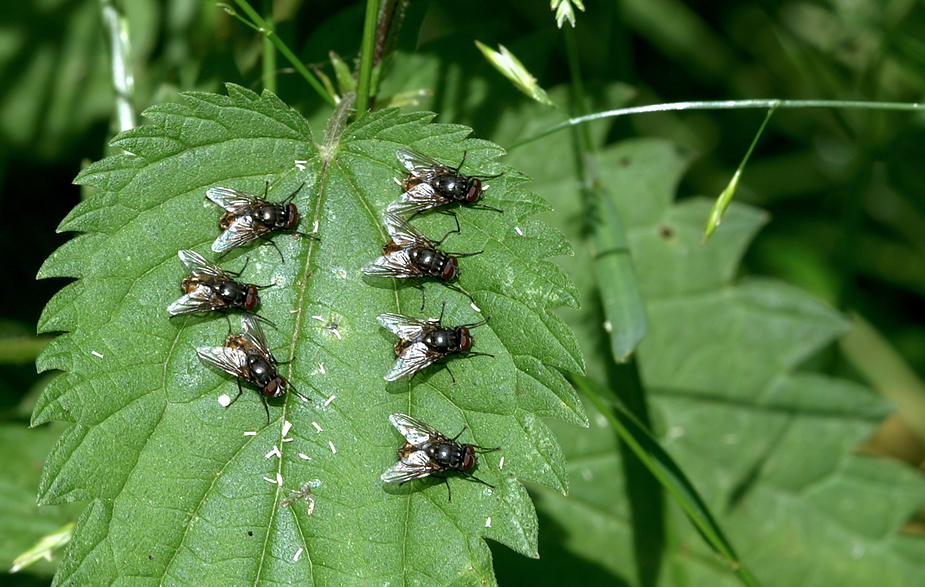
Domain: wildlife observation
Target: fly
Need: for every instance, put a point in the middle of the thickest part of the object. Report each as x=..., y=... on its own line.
x=411, y=255
x=427, y=452
x=209, y=288
x=247, y=356
x=431, y=184
x=248, y=217
x=422, y=343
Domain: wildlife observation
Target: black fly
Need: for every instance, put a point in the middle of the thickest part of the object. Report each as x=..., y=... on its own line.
x=247, y=356
x=209, y=287
x=422, y=343
x=428, y=452
x=248, y=218
x=431, y=184
x=410, y=255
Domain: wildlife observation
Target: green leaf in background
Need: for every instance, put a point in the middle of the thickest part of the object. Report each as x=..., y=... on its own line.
x=24, y=522
x=186, y=492
x=767, y=444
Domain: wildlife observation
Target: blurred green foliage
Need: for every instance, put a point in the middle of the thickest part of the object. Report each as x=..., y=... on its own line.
x=843, y=188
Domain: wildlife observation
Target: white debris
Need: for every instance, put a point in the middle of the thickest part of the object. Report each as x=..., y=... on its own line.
x=334, y=329
x=287, y=426
x=328, y=401
x=96, y=354
x=273, y=452
x=298, y=553
x=224, y=400
x=317, y=427
x=333, y=450
x=304, y=456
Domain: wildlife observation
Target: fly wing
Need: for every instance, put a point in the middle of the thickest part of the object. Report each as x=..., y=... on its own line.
x=243, y=229
x=417, y=199
x=419, y=164
x=405, y=327
x=415, y=432
x=201, y=299
x=412, y=466
x=233, y=200
x=394, y=264
x=230, y=360
x=199, y=265
x=415, y=357
x=251, y=330
x=401, y=231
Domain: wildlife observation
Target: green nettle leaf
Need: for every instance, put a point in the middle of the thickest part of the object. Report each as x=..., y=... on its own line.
x=767, y=444
x=187, y=492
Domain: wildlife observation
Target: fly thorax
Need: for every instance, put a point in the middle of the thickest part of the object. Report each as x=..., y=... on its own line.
x=261, y=370
x=442, y=340
x=430, y=260
x=446, y=454
x=230, y=291
x=450, y=185
x=269, y=214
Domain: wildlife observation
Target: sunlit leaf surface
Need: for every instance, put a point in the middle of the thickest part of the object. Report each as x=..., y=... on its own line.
x=187, y=492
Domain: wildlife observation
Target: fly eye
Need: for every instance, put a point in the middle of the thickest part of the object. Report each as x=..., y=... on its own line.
x=469, y=460
x=293, y=216
x=465, y=339
x=450, y=270
x=276, y=387
x=475, y=190
x=251, y=300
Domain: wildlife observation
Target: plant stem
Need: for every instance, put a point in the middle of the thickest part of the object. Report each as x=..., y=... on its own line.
x=269, y=52
x=367, y=55
x=123, y=80
x=671, y=477
x=721, y=105
x=260, y=26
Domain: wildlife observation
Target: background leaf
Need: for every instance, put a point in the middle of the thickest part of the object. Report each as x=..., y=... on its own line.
x=181, y=495
x=25, y=522
x=766, y=442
